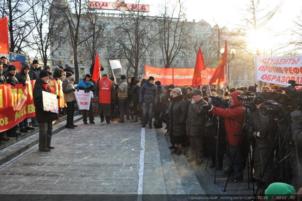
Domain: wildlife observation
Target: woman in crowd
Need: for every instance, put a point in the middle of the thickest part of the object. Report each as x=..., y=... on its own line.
x=177, y=121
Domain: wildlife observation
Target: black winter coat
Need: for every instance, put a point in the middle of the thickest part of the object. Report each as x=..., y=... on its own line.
x=197, y=118
x=12, y=80
x=177, y=116
x=148, y=93
x=34, y=73
x=41, y=115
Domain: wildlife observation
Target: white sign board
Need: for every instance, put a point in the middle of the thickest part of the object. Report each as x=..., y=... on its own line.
x=83, y=99
x=50, y=102
x=115, y=64
x=279, y=70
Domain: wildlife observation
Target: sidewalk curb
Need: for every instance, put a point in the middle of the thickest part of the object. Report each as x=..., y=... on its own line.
x=10, y=152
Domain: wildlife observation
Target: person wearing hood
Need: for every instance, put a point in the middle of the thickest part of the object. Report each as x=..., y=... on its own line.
x=44, y=118
x=177, y=121
x=147, y=99
x=233, y=122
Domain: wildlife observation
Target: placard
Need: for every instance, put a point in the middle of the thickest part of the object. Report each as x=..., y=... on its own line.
x=83, y=99
x=50, y=102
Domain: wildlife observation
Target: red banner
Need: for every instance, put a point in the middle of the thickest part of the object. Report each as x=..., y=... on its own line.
x=4, y=45
x=16, y=104
x=177, y=76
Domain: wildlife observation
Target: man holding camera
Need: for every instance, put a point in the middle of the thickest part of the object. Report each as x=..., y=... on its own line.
x=233, y=121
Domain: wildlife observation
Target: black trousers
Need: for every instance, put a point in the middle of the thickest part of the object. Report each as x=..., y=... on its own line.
x=45, y=134
x=123, y=108
x=70, y=113
x=87, y=113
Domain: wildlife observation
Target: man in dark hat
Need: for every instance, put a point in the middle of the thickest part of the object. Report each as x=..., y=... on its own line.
x=44, y=118
x=68, y=89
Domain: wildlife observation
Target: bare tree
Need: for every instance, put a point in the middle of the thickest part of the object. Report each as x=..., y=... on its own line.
x=172, y=33
x=73, y=16
x=134, y=39
x=20, y=24
x=43, y=28
x=95, y=34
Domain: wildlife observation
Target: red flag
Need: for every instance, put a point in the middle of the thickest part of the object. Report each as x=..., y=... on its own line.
x=96, y=68
x=199, y=66
x=219, y=74
x=4, y=45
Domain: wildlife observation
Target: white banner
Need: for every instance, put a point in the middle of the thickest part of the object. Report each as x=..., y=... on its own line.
x=50, y=102
x=83, y=99
x=279, y=70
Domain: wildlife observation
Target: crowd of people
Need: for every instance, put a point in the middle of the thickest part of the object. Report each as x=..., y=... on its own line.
x=236, y=129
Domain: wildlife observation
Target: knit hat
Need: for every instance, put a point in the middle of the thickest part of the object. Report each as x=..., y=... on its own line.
x=177, y=90
x=44, y=73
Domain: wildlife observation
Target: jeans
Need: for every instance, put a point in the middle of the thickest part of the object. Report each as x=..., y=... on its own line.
x=70, y=113
x=147, y=113
x=45, y=134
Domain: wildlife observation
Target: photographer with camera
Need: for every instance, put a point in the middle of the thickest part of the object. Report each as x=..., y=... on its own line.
x=233, y=121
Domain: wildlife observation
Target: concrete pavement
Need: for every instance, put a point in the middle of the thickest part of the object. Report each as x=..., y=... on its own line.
x=100, y=159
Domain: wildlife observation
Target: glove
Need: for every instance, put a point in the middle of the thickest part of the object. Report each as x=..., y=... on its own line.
x=208, y=107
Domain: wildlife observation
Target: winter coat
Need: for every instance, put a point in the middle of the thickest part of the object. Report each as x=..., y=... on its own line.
x=86, y=85
x=12, y=80
x=105, y=90
x=68, y=89
x=34, y=73
x=2, y=77
x=134, y=95
x=264, y=131
x=233, y=119
x=147, y=93
x=122, y=92
x=22, y=77
x=177, y=116
x=41, y=115
x=296, y=127
x=197, y=117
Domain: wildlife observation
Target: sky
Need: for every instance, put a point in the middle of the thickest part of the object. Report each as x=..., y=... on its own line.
x=232, y=14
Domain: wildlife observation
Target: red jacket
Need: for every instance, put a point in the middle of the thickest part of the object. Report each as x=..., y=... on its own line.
x=105, y=87
x=233, y=119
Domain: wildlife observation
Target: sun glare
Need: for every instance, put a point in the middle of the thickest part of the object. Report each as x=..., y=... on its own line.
x=260, y=41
